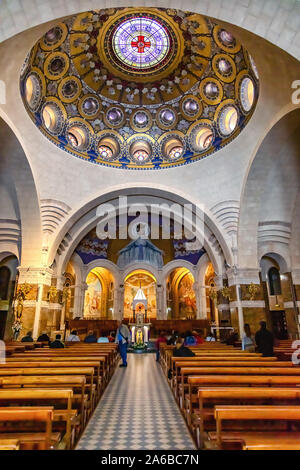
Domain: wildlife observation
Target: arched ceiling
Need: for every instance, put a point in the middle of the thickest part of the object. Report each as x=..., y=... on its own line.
x=268, y=205
x=19, y=210
x=139, y=88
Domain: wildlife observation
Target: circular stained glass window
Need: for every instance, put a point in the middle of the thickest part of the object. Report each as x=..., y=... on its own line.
x=141, y=43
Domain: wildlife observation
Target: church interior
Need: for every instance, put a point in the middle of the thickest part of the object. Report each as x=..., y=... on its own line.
x=149, y=182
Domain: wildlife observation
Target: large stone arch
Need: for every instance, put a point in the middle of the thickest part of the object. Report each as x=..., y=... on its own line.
x=22, y=223
x=278, y=23
x=85, y=218
x=270, y=193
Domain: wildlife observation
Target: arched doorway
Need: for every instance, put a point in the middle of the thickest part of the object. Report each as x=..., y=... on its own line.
x=276, y=287
x=8, y=272
x=99, y=295
x=140, y=279
x=181, y=298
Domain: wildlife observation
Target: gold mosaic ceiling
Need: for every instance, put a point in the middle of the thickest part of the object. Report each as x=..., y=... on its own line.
x=139, y=88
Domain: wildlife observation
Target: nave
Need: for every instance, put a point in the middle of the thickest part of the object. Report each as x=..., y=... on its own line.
x=137, y=412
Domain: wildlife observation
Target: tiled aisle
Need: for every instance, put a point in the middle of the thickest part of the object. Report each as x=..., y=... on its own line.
x=137, y=411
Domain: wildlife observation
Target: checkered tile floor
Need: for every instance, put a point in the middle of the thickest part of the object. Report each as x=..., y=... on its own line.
x=137, y=411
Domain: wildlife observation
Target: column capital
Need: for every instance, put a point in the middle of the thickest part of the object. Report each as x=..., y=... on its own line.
x=35, y=275
x=242, y=276
x=218, y=278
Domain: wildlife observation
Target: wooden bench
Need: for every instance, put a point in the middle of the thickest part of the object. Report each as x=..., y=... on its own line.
x=60, y=399
x=226, y=412
x=55, y=361
x=209, y=397
x=194, y=382
x=76, y=382
x=235, y=370
x=9, y=444
x=30, y=440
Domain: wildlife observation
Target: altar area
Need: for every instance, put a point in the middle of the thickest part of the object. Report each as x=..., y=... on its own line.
x=139, y=325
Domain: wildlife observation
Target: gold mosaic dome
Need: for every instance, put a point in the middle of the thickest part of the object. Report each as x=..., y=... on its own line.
x=139, y=88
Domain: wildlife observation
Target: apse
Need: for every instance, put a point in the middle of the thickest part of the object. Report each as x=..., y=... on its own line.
x=139, y=88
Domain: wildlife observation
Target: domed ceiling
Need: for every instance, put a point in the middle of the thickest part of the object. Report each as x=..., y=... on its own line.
x=139, y=88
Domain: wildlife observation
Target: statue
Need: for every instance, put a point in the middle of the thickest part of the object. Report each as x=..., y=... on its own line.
x=21, y=295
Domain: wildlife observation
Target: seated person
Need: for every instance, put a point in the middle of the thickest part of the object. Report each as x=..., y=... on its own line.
x=210, y=337
x=198, y=336
x=28, y=338
x=190, y=340
x=90, y=338
x=73, y=336
x=44, y=337
x=173, y=338
x=102, y=339
x=57, y=343
x=181, y=350
x=161, y=339
x=232, y=338
x=112, y=336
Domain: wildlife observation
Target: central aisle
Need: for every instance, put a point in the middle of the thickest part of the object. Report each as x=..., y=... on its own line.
x=137, y=411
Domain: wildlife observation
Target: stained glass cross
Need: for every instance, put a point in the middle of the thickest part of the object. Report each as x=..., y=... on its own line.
x=140, y=44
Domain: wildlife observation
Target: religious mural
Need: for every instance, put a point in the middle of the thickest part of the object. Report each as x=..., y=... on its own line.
x=186, y=297
x=91, y=248
x=182, y=251
x=132, y=284
x=92, y=302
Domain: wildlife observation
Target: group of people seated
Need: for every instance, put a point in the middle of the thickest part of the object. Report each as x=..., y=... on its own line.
x=57, y=343
x=182, y=341
x=91, y=337
x=262, y=342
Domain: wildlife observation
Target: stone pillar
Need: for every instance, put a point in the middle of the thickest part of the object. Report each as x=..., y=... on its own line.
x=196, y=289
x=83, y=288
x=246, y=307
x=160, y=313
x=240, y=310
x=39, y=280
x=202, y=309
x=119, y=314
x=77, y=301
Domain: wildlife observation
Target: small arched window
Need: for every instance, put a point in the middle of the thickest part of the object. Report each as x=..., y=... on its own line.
x=274, y=281
x=4, y=282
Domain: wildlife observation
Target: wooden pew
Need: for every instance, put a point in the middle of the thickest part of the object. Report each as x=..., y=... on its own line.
x=186, y=368
x=59, y=364
x=76, y=382
x=30, y=440
x=194, y=382
x=239, y=412
x=58, y=361
x=61, y=398
x=9, y=444
x=230, y=395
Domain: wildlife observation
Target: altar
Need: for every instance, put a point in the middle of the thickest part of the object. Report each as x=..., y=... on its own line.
x=139, y=325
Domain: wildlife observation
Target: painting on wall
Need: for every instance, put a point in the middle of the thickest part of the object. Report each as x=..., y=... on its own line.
x=92, y=301
x=186, y=297
x=182, y=251
x=91, y=248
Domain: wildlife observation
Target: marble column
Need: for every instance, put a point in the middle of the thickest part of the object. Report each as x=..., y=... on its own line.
x=160, y=313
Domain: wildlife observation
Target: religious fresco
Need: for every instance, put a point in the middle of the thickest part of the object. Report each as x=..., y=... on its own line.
x=91, y=248
x=181, y=251
x=132, y=284
x=92, y=301
x=157, y=252
x=187, y=297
